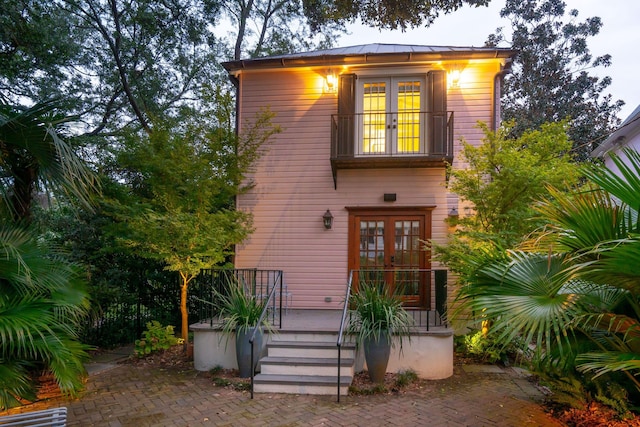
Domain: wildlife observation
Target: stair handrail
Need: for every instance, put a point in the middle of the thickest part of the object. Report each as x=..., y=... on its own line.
x=342, y=326
x=276, y=285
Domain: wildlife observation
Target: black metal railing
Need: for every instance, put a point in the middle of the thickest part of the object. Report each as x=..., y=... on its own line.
x=255, y=282
x=270, y=297
x=392, y=134
x=343, y=324
x=425, y=288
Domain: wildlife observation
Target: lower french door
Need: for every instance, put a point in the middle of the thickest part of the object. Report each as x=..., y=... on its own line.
x=388, y=246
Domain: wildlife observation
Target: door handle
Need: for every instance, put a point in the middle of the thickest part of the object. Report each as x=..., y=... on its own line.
x=393, y=260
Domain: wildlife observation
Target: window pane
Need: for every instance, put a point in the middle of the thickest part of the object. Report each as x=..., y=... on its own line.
x=408, y=117
x=374, y=118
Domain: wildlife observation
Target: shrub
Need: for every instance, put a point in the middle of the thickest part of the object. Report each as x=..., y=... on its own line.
x=156, y=337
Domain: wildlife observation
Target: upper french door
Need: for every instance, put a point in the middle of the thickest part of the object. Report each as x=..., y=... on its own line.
x=391, y=122
x=388, y=247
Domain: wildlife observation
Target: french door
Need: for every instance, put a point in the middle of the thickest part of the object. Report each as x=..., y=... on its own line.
x=388, y=247
x=391, y=122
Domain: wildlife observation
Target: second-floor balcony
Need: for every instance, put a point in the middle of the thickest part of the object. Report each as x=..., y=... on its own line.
x=391, y=140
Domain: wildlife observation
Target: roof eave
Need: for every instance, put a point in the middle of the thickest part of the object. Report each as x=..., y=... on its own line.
x=370, y=58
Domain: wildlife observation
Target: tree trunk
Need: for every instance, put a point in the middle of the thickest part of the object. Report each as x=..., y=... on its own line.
x=184, y=331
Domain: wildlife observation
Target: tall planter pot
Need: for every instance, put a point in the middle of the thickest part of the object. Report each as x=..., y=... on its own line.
x=243, y=351
x=376, y=354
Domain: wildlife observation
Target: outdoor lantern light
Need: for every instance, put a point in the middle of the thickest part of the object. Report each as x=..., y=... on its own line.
x=332, y=81
x=455, y=73
x=328, y=219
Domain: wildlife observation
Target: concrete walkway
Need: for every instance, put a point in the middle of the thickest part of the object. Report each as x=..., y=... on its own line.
x=128, y=395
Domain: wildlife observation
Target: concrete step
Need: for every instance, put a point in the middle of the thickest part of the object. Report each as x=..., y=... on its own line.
x=306, y=366
x=301, y=384
x=309, y=349
x=315, y=336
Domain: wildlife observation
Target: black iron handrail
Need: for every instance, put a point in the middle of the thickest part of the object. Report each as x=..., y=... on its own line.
x=342, y=326
x=277, y=285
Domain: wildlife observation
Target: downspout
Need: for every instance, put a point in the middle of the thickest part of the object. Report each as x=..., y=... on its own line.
x=236, y=83
x=497, y=94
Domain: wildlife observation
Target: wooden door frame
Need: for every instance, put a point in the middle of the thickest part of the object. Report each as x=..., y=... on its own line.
x=382, y=211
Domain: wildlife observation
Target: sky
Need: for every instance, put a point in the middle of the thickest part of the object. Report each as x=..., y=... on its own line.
x=469, y=26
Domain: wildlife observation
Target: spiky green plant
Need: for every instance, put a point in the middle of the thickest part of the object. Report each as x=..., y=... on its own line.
x=239, y=309
x=42, y=301
x=378, y=314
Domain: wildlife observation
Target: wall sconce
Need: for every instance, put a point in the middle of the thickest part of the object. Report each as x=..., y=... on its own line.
x=332, y=81
x=455, y=74
x=327, y=218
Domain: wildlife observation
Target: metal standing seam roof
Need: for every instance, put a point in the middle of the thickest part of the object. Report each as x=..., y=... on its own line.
x=370, y=53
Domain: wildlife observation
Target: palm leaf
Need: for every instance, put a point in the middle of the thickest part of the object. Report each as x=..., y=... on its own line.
x=529, y=296
x=624, y=183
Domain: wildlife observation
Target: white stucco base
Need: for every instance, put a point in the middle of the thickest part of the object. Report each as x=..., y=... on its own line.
x=212, y=348
x=430, y=354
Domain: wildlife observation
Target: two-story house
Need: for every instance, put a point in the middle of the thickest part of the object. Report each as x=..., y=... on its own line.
x=356, y=180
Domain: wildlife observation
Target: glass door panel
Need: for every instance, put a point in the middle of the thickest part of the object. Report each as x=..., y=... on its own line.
x=390, y=252
x=407, y=279
x=374, y=108
x=408, y=112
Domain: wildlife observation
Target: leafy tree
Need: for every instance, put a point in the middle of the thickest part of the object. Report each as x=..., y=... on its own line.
x=550, y=78
x=268, y=27
x=574, y=291
x=501, y=180
x=384, y=14
x=39, y=43
x=182, y=181
x=33, y=157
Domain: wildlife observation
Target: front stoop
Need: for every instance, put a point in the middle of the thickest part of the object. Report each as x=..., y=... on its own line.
x=308, y=365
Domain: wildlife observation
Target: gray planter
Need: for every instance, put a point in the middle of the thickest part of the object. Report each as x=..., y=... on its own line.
x=243, y=351
x=376, y=353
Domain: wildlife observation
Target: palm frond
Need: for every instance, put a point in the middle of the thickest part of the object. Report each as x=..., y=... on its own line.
x=603, y=362
x=624, y=183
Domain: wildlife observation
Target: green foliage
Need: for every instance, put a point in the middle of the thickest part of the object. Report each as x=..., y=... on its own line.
x=177, y=206
x=155, y=338
x=574, y=292
x=34, y=155
x=550, y=78
x=42, y=303
x=502, y=180
x=378, y=314
x=481, y=346
x=393, y=15
x=405, y=378
x=240, y=310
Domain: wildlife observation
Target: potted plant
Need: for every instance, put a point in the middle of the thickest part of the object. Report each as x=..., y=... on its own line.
x=379, y=321
x=240, y=312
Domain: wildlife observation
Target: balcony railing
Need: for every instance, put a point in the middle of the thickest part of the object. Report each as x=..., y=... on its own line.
x=391, y=140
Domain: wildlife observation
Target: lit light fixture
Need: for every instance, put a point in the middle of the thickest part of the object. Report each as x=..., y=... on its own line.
x=332, y=81
x=455, y=73
x=327, y=218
